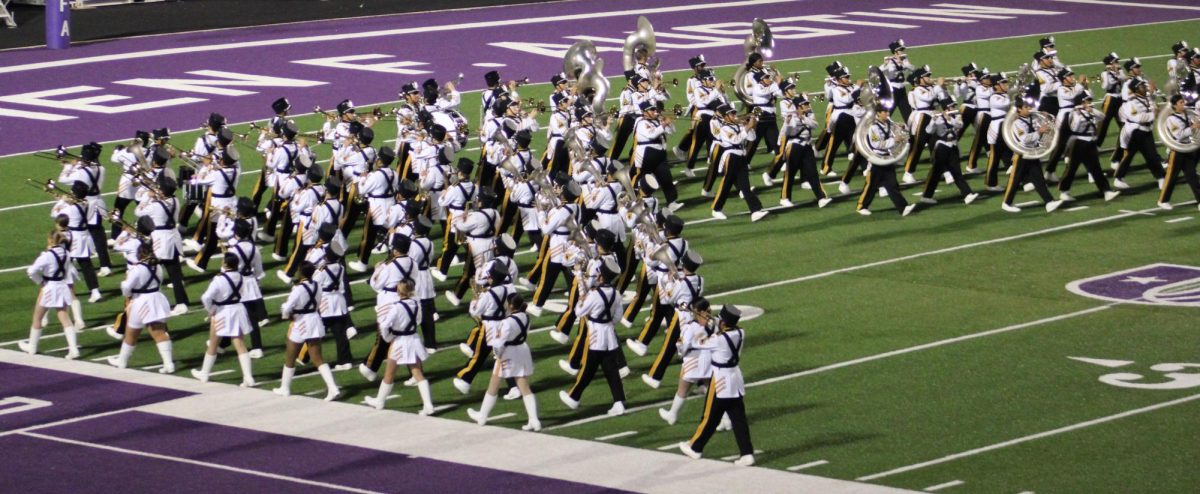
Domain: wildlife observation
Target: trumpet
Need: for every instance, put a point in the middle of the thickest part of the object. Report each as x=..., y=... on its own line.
x=51, y=187
x=521, y=82
x=677, y=110
x=328, y=114
x=538, y=105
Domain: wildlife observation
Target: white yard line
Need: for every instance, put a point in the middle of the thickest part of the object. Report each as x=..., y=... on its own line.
x=220, y=372
x=1177, y=220
x=501, y=416
x=734, y=457
x=1031, y=437
x=189, y=461
x=668, y=447
x=947, y=485
x=617, y=435
x=808, y=465
x=71, y=420
x=1142, y=5
x=1077, y=208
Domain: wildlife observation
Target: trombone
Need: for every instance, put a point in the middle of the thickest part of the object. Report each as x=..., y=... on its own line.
x=114, y=217
x=60, y=153
x=51, y=187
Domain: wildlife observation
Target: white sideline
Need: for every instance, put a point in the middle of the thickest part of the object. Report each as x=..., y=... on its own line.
x=206, y=464
x=1032, y=437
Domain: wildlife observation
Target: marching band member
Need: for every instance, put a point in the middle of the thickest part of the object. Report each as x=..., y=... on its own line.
x=356, y=160
x=1112, y=79
x=306, y=328
x=983, y=119
x=55, y=275
x=379, y=188
x=1050, y=52
x=734, y=164
x=656, y=270
x=697, y=362
x=134, y=161
x=299, y=191
x=1183, y=129
x=79, y=212
x=1027, y=170
x=1133, y=71
x=163, y=208
x=384, y=280
x=513, y=361
x=227, y=317
x=245, y=211
x=726, y=389
x=965, y=89
x=406, y=348
x=798, y=153
x=925, y=95
x=678, y=289
x=208, y=150
x=998, y=151
x=269, y=138
x=705, y=98
x=894, y=68
x=763, y=94
x=693, y=84
x=455, y=199
x=478, y=227
x=488, y=309
x=649, y=209
x=87, y=171
x=787, y=89
x=335, y=293
x=222, y=182
x=1180, y=51
x=601, y=306
x=280, y=161
x=556, y=225
x=147, y=308
x=1138, y=114
x=599, y=247
x=1048, y=82
x=556, y=157
x=522, y=193
x=879, y=141
x=1084, y=150
x=628, y=111
x=845, y=117
x=1066, y=93
x=421, y=252
x=944, y=129
x=316, y=205
x=250, y=267
x=128, y=244
x=649, y=155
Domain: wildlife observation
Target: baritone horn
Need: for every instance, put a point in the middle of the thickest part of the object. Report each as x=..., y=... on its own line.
x=579, y=57
x=878, y=93
x=1026, y=89
x=1162, y=124
x=593, y=78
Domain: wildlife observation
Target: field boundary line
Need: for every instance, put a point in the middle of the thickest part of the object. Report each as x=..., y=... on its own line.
x=862, y=360
x=199, y=463
x=1031, y=437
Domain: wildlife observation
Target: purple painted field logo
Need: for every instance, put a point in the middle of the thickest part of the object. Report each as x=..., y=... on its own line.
x=1154, y=284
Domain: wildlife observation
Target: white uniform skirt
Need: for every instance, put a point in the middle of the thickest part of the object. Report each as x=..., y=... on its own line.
x=613, y=223
x=250, y=289
x=81, y=245
x=516, y=361
x=167, y=243
x=306, y=327
x=126, y=188
x=697, y=367
x=55, y=295
x=231, y=320
x=407, y=350
x=424, y=286
x=146, y=309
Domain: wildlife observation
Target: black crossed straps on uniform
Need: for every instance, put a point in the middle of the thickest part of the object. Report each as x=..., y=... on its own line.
x=94, y=186
x=229, y=175
x=523, y=323
x=424, y=264
x=411, y=309
x=573, y=210
x=605, y=317
x=60, y=270
x=612, y=210
x=244, y=268
x=152, y=284
x=169, y=212
x=735, y=349
x=497, y=313
x=81, y=207
x=335, y=277
x=388, y=179
x=404, y=274
x=236, y=296
x=490, y=232
x=311, y=305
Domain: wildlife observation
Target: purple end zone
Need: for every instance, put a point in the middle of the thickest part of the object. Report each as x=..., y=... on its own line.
x=276, y=454
x=70, y=395
x=526, y=41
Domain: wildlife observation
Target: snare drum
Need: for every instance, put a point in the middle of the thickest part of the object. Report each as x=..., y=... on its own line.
x=455, y=123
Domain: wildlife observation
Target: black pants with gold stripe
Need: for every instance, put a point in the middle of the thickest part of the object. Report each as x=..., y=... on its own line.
x=766, y=131
x=337, y=326
x=980, y=141
x=1026, y=171
x=630, y=265
x=535, y=272
x=1111, y=108
x=624, y=130
x=737, y=171
x=607, y=360
x=567, y=319
x=1141, y=141
x=1175, y=162
x=1087, y=154
x=378, y=353
x=800, y=157
x=669, y=348
x=478, y=342
x=579, y=346
x=548, y=276
x=843, y=134
x=449, y=245
x=1064, y=131
x=714, y=156
x=701, y=139
x=714, y=409
x=209, y=247
x=885, y=177
x=917, y=142
x=999, y=154
x=639, y=297
x=659, y=314
x=946, y=159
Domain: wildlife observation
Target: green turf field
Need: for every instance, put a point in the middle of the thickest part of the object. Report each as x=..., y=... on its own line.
x=909, y=352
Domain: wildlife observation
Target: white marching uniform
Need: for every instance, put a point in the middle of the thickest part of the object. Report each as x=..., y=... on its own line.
x=488, y=307
x=434, y=181
x=250, y=267
x=379, y=188
x=166, y=240
x=680, y=292
x=93, y=177
x=387, y=275
x=223, y=301
x=513, y=358
x=354, y=162
x=555, y=226
x=80, y=244
x=601, y=307
x=651, y=134
x=697, y=362
x=421, y=251
x=131, y=162
x=997, y=107
x=147, y=305
x=603, y=199
x=127, y=245
x=725, y=348
x=333, y=295
x=54, y=272
x=480, y=229
x=406, y=346
x=301, y=308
